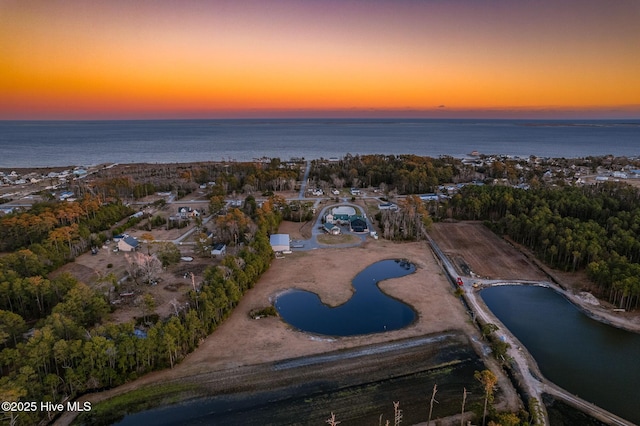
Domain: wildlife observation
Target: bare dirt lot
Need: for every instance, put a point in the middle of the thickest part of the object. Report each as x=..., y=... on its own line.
x=474, y=245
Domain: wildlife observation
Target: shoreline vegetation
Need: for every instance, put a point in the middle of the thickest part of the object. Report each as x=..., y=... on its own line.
x=69, y=337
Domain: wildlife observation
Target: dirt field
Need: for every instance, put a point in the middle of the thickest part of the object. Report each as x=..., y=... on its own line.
x=328, y=272
x=486, y=255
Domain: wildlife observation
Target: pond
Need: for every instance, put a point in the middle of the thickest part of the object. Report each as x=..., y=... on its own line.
x=593, y=360
x=369, y=310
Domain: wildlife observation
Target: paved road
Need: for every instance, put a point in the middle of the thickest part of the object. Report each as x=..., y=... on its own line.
x=303, y=186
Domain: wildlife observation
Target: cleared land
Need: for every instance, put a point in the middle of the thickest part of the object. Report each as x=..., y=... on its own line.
x=486, y=255
x=171, y=288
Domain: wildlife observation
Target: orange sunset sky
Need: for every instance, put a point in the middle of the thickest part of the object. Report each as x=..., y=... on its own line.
x=314, y=58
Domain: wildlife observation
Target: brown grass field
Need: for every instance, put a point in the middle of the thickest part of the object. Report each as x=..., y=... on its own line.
x=488, y=256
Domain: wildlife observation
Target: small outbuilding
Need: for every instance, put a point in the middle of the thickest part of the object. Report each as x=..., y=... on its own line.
x=128, y=244
x=387, y=206
x=219, y=249
x=280, y=242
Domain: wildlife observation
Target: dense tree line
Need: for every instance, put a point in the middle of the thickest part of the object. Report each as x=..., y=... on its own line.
x=70, y=351
x=59, y=231
x=135, y=182
x=409, y=222
x=596, y=228
x=407, y=174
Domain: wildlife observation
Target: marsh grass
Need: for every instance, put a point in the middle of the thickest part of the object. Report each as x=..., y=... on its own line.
x=114, y=409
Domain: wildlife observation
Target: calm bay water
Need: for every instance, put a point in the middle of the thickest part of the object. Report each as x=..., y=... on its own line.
x=595, y=361
x=64, y=143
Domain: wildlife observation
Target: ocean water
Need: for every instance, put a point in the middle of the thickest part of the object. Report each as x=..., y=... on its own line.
x=82, y=143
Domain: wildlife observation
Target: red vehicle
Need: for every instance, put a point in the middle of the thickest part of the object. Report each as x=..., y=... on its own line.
x=460, y=283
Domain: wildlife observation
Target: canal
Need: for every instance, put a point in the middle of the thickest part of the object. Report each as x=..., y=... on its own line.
x=593, y=360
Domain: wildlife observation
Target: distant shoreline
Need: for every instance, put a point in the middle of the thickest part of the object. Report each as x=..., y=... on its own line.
x=470, y=156
x=58, y=144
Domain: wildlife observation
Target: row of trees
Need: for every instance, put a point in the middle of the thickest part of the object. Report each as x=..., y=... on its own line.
x=52, y=223
x=592, y=228
x=407, y=174
x=70, y=351
x=247, y=177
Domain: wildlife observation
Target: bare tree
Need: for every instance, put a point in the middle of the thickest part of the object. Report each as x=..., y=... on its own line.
x=140, y=265
x=332, y=420
x=397, y=414
x=464, y=400
x=433, y=399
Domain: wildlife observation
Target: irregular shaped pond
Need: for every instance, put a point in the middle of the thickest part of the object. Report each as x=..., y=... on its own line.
x=369, y=310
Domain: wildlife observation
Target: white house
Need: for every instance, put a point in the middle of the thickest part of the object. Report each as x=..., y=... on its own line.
x=620, y=175
x=429, y=197
x=187, y=212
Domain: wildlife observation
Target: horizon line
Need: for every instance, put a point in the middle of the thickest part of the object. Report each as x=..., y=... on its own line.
x=617, y=112
x=284, y=118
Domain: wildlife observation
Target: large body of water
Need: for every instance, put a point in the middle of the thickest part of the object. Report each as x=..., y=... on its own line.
x=595, y=361
x=82, y=143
